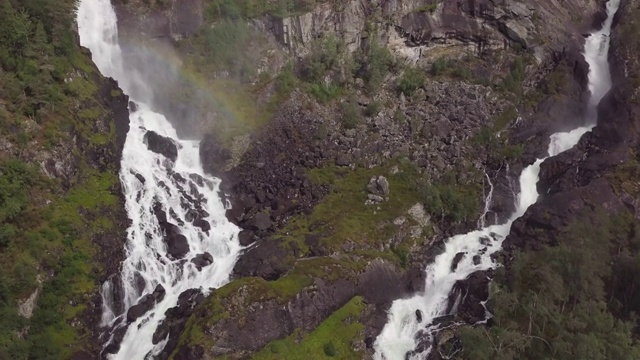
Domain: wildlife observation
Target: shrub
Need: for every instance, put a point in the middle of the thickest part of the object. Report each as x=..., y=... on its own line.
x=330, y=349
x=439, y=67
x=411, y=80
x=351, y=116
x=373, y=108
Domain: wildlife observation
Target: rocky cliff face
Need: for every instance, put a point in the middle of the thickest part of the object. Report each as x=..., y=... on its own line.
x=299, y=184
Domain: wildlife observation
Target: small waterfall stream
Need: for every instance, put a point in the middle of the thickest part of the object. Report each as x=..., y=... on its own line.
x=179, y=238
x=403, y=328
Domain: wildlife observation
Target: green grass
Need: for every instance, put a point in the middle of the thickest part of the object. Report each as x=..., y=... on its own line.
x=342, y=215
x=332, y=336
x=430, y=8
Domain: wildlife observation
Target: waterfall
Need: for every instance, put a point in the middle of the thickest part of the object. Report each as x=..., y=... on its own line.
x=166, y=200
x=400, y=334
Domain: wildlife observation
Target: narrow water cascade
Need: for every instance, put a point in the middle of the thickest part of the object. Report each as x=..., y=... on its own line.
x=179, y=238
x=404, y=327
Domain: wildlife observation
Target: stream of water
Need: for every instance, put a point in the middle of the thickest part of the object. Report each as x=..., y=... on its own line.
x=402, y=331
x=154, y=184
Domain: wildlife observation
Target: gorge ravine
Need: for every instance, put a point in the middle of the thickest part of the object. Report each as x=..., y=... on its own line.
x=179, y=238
x=405, y=328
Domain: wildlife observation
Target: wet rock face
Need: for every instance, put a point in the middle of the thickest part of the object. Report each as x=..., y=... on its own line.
x=177, y=244
x=161, y=145
x=145, y=304
x=202, y=260
x=253, y=324
x=175, y=318
x=214, y=157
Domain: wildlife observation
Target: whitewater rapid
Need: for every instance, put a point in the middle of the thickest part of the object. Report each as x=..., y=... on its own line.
x=179, y=189
x=400, y=334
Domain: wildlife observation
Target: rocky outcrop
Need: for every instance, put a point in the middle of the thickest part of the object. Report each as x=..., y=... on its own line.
x=175, y=319
x=412, y=27
x=166, y=19
x=162, y=145
x=256, y=317
x=145, y=304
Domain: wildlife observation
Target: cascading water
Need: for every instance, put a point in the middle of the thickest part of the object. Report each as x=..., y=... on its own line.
x=399, y=336
x=171, y=204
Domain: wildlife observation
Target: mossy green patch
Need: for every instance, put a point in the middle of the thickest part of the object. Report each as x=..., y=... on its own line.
x=332, y=339
x=342, y=215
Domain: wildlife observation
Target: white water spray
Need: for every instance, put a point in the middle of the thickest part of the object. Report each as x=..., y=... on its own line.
x=180, y=189
x=400, y=334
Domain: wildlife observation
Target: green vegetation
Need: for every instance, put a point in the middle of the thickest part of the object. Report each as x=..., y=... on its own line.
x=497, y=147
x=430, y=8
x=513, y=81
x=332, y=339
x=49, y=102
x=226, y=47
x=411, y=80
x=375, y=64
x=232, y=301
x=451, y=67
x=572, y=296
x=449, y=198
x=351, y=114
x=343, y=216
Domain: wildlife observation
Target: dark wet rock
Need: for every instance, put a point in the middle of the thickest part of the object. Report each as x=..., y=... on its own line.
x=161, y=145
x=246, y=237
x=470, y=293
x=199, y=180
x=133, y=107
x=476, y=260
x=259, y=221
x=177, y=244
x=179, y=178
x=202, y=224
x=114, y=345
x=202, y=260
x=265, y=260
x=160, y=214
x=139, y=282
x=175, y=320
x=418, y=315
x=189, y=353
x=175, y=217
x=214, y=156
x=140, y=178
x=145, y=304
x=456, y=260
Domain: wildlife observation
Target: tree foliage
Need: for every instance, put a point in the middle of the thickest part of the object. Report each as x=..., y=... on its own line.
x=571, y=296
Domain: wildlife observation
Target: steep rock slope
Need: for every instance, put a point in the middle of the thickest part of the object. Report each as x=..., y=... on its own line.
x=337, y=99
x=63, y=128
x=570, y=258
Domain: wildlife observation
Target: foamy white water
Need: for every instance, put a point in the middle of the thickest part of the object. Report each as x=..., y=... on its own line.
x=181, y=189
x=400, y=334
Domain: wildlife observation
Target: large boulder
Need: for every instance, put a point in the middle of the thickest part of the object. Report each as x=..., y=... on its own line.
x=161, y=145
x=202, y=260
x=260, y=221
x=177, y=244
x=145, y=304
